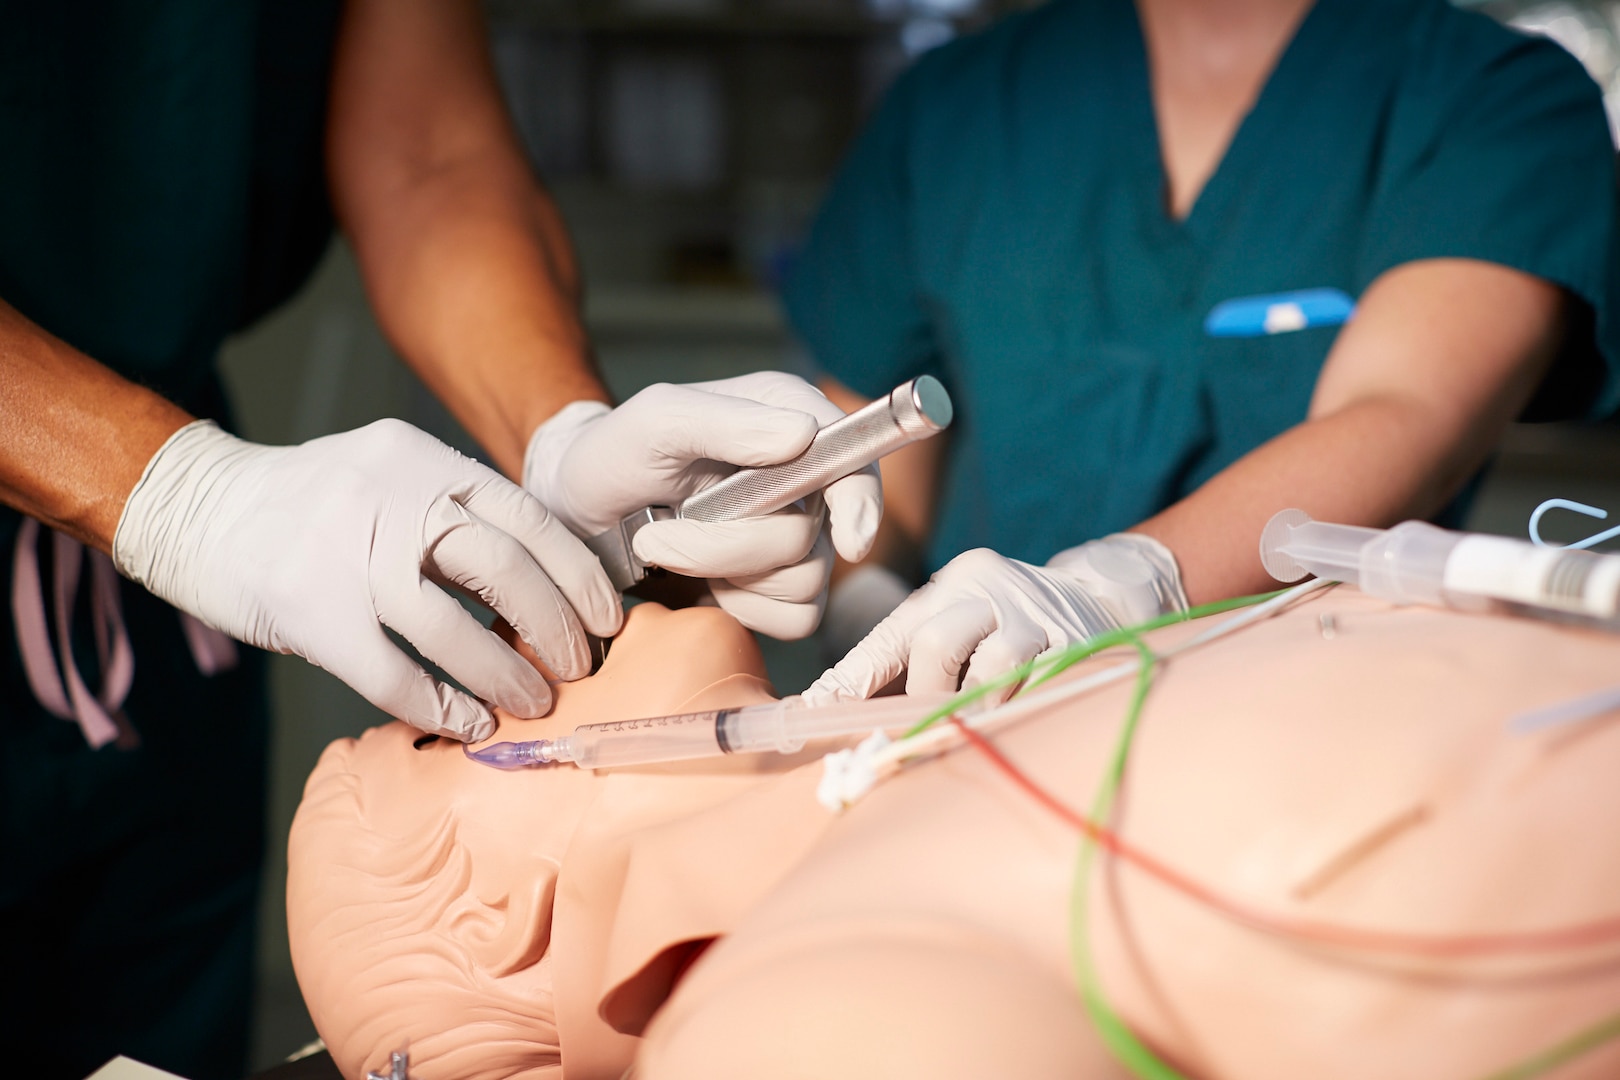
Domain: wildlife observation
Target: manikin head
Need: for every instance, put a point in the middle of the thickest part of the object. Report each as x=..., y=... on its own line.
x=420, y=883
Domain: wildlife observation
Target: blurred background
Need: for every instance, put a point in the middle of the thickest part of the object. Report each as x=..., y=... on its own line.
x=687, y=143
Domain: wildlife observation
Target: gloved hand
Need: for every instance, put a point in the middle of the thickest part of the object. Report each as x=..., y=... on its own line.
x=313, y=549
x=592, y=465
x=983, y=614
x=863, y=598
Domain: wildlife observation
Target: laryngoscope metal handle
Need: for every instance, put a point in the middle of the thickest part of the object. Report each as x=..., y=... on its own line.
x=914, y=410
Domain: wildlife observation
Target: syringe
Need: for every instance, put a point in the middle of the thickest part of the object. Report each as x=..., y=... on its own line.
x=783, y=726
x=1419, y=563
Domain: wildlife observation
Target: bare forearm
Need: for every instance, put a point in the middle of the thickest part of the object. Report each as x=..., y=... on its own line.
x=474, y=284
x=1419, y=387
x=74, y=436
x=466, y=260
x=1374, y=463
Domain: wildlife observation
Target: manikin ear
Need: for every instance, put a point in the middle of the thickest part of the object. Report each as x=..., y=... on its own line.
x=510, y=932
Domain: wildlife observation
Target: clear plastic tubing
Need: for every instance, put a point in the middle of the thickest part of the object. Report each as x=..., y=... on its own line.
x=783, y=726
x=1419, y=563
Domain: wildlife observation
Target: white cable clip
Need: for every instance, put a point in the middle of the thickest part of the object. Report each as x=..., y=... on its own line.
x=848, y=774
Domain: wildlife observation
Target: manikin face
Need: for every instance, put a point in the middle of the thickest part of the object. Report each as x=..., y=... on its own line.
x=420, y=882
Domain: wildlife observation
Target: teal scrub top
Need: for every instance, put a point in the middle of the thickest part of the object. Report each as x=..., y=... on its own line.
x=161, y=173
x=1000, y=224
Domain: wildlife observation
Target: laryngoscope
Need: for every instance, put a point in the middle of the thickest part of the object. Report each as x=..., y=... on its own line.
x=914, y=410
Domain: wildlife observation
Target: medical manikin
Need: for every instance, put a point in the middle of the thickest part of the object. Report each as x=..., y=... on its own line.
x=1344, y=763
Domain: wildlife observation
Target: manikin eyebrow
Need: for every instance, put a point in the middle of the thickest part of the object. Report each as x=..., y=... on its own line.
x=424, y=740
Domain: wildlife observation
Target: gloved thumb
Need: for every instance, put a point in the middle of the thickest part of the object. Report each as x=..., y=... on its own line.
x=873, y=664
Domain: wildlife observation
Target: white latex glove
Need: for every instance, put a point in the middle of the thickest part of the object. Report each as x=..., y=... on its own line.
x=863, y=598
x=983, y=614
x=592, y=465
x=313, y=549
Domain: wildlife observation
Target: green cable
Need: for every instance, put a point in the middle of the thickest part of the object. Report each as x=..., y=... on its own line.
x=1116, y=1034
x=1121, y=1041
x=1073, y=654
x=1560, y=1053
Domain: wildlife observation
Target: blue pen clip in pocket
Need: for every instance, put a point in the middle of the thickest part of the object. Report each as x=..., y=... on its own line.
x=1278, y=313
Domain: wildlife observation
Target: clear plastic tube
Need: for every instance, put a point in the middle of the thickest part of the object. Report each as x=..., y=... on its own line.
x=783, y=726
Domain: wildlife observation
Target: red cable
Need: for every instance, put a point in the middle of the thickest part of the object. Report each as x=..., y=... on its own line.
x=1566, y=937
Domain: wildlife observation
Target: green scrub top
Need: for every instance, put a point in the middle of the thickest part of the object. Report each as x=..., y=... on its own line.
x=1000, y=224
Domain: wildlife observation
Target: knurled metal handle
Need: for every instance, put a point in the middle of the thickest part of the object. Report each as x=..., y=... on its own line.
x=913, y=411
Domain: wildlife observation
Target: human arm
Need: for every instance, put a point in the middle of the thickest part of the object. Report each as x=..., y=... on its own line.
x=1420, y=385
x=466, y=260
x=309, y=549
x=1441, y=355
x=469, y=268
x=74, y=435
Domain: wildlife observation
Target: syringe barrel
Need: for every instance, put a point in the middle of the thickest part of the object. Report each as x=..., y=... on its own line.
x=1293, y=547
x=783, y=726
x=642, y=742
x=791, y=724
x=1419, y=563
x=1407, y=564
x=757, y=729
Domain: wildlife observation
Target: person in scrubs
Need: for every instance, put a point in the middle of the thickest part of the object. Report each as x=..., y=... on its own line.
x=164, y=181
x=1186, y=263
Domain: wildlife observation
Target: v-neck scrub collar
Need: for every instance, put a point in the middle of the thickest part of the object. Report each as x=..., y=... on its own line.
x=1000, y=224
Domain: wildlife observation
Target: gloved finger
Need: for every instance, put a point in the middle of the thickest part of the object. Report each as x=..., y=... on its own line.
x=1017, y=641
x=880, y=657
x=503, y=574
x=855, y=505
x=859, y=601
x=780, y=619
x=684, y=424
x=800, y=583
x=941, y=645
x=567, y=562
x=729, y=549
x=856, y=501
x=777, y=388
x=446, y=633
x=378, y=671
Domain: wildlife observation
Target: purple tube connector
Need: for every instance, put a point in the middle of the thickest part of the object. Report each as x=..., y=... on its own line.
x=512, y=755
